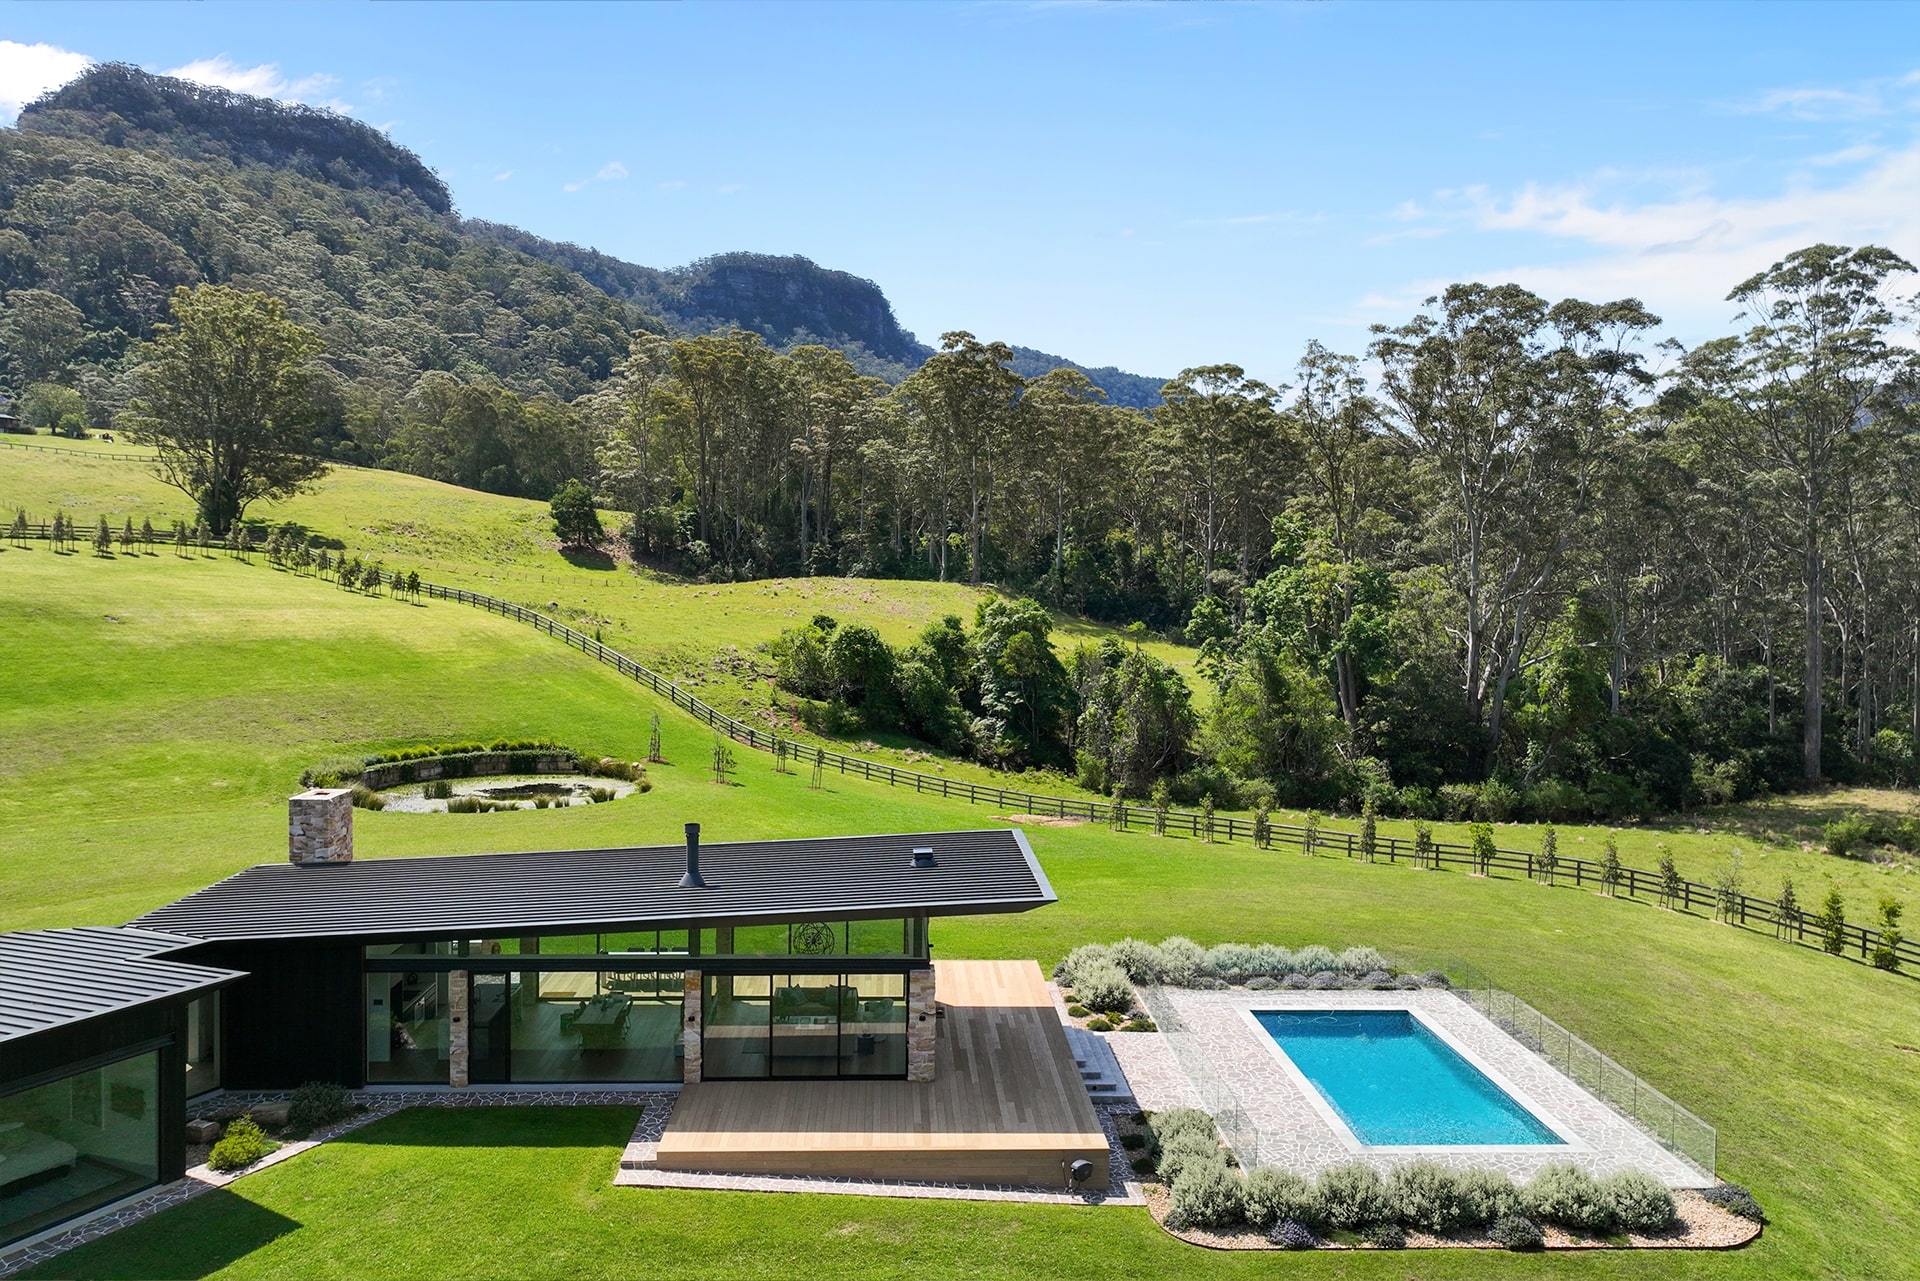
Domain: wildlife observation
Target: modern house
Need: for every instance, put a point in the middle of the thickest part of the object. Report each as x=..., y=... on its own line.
x=103, y=1035
x=747, y=962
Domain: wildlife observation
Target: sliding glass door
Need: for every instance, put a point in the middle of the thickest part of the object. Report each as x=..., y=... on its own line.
x=757, y=1026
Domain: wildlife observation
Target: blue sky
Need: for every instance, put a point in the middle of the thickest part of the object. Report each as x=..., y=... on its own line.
x=1143, y=185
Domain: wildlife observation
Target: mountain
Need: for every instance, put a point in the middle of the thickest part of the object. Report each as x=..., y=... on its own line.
x=127, y=107
x=121, y=185
x=788, y=301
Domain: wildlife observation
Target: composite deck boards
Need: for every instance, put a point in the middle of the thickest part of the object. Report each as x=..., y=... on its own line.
x=1006, y=1104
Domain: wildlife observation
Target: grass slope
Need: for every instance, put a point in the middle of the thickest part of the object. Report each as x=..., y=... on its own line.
x=699, y=634
x=156, y=714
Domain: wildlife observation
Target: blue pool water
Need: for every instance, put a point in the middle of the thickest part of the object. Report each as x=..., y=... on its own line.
x=1395, y=1083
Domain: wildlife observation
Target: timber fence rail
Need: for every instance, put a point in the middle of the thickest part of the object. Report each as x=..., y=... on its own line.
x=1733, y=908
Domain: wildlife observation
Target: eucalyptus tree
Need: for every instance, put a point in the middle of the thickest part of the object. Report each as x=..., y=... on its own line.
x=1348, y=472
x=1512, y=405
x=835, y=411
x=1793, y=408
x=967, y=401
x=635, y=460
x=1222, y=443
x=1073, y=435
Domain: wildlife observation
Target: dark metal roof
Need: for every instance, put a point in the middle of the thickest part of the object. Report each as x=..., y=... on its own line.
x=49, y=978
x=504, y=894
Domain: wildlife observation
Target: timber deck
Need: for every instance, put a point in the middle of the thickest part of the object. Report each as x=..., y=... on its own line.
x=1006, y=1105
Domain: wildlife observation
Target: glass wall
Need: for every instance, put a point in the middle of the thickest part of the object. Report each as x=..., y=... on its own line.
x=203, y=1045
x=585, y=1025
x=889, y=937
x=873, y=1025
x=406, y=1027
x=799, y=1025
x=78, y=1143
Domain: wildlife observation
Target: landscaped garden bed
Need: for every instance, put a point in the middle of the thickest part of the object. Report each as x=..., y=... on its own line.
x=1098, y=979
x=505, y=775
x=1196, y=1191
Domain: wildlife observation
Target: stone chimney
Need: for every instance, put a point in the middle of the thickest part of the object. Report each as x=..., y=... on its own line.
x=320, y=827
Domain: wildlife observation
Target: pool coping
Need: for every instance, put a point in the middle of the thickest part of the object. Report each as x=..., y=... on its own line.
x=1568, y=1140
x=1278, y=1114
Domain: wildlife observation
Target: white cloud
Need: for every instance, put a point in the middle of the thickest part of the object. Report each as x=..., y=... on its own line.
x=1680, y=250
x=29, y=70
x=730, y=188
x=263, y=81
x=672, y=184
x=1822, y=104
x=612, y=171
x=503, y=175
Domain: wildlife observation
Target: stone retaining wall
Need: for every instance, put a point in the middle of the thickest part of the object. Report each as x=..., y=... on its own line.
x=467, y=765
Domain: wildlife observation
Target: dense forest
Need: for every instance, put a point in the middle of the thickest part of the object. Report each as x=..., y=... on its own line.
x=1529, y=560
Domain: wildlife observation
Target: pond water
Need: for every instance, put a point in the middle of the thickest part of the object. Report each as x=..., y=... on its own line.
x=518, y=790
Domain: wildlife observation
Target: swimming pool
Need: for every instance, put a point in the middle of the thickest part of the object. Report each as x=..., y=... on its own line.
x=1394, y=1083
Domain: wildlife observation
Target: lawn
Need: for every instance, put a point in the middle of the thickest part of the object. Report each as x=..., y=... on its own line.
x=705, y=636
x=446, y=1193
x=157, y=714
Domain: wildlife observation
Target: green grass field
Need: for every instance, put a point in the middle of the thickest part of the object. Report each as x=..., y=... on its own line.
x=156, y=714
x=696, y=633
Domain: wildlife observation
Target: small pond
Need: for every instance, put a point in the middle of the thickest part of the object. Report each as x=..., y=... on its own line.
x=518, y=791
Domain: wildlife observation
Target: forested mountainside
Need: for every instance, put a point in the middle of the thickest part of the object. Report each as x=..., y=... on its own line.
x=127, y=107
x=103, y=213
x=122, y=185
x=790, y=301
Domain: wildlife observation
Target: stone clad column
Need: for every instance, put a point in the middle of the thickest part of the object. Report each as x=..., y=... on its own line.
x=457, y=989
x=691, y=1029
x=922, y=1021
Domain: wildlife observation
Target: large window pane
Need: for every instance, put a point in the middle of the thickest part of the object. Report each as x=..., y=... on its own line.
x=734, y=1025
x=488, y=1014
x=406, y=1028
x=759, y=940
x=78, y=1143
x=806, y=1025
x=577, y=1025
x=877, y=938
x=202, y=1048
x=873, y=1025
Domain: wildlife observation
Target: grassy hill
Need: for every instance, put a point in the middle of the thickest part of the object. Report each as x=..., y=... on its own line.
x=158, y=711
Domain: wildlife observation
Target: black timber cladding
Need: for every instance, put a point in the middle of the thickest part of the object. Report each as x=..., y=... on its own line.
x=975, y=872
x=54, y=978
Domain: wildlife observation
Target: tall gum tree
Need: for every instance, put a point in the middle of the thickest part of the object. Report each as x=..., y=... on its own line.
x=1792, y=409
x=968, y=402
x=1508, y=402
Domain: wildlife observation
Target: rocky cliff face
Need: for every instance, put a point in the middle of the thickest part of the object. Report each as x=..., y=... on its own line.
x=782, y=298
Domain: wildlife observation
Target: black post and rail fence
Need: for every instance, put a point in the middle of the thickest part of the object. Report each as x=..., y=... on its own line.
x=1731, y=907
